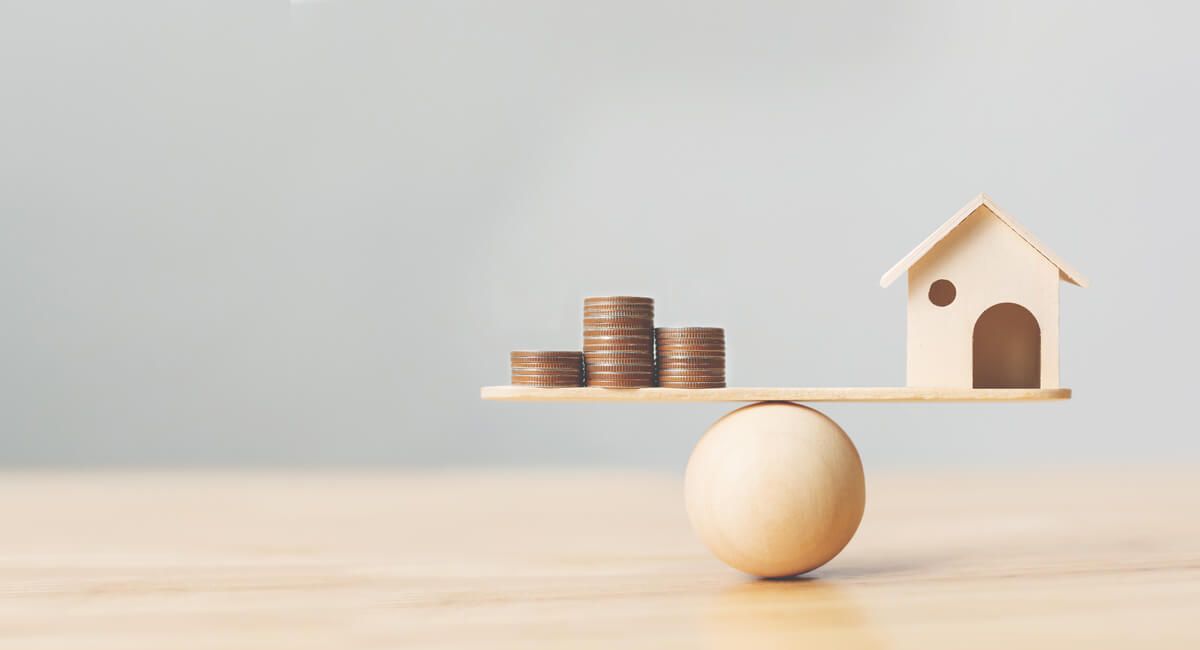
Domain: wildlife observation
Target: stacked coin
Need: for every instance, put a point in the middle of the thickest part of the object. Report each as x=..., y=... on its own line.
x=618, y=341
x=547, y=369
x=691, y=357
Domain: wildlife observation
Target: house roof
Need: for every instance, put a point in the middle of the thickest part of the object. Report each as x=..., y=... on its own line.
x=1065, y=271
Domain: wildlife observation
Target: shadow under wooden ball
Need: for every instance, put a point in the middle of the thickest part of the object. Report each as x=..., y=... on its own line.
x=775, y=489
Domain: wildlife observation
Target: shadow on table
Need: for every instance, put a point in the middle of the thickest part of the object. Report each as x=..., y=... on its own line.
x=787, y=613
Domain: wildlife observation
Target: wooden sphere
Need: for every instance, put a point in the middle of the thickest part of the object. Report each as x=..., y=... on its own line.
x=775, y=489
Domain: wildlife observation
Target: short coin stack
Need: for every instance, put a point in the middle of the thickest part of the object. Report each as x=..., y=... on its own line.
x=691, y=357
x=547, y=369
x=618, y=341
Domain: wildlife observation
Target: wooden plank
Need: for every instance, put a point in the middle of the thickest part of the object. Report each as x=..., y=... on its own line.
x=740, y=394
x=585, y=559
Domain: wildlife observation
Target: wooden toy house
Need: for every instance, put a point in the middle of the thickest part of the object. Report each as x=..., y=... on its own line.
x=982, y=303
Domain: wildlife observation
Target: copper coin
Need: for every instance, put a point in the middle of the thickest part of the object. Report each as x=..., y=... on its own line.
x=618, y=347
x=691, y=385
x=692, y=330
x=712, y=346
x=543, y=384
x=647, y=315
x=604, y=300
x=610, y=310
x=616, y=303
x=618, y=308
x=619, y=336
x=664, y=365
x=622, y=384
x=689, y=349
x=545, y=353
x=624, y=313
x=620, y=323
x=619, y=328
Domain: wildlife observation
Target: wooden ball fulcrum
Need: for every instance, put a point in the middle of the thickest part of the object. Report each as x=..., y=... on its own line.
x=775, y=489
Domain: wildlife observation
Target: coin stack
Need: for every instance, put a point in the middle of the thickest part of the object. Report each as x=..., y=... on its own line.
x=547, y=369
x=691, y=357
x=618, y=341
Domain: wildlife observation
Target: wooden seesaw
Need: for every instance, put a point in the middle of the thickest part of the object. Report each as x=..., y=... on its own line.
x=776, y=488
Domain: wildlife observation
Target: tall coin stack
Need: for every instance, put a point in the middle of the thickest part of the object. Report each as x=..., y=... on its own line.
x=618, y=341
x=547, y=369
x=691, y=357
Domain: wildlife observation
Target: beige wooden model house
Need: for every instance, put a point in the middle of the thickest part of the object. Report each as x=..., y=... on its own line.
x=982, y=303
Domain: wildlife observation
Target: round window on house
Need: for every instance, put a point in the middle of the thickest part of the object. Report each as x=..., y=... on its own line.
x=942, y=292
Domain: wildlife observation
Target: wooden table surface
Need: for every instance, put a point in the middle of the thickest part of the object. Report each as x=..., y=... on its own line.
x=998, y=559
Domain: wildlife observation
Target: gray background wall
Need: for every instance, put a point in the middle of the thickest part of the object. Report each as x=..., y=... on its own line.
x=261, y=233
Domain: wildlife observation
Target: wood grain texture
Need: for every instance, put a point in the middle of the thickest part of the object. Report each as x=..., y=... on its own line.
x=1096, y=559
x=741, y=394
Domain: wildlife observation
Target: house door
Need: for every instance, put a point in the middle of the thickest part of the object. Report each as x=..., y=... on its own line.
x=1007, y=348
